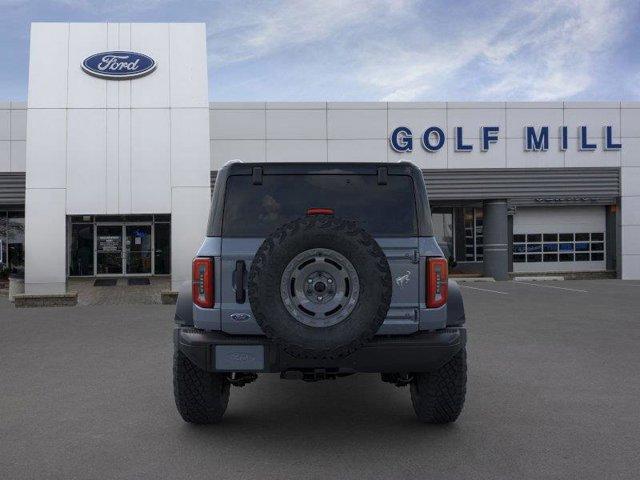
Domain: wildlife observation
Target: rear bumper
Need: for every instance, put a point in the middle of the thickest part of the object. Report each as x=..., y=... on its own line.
x=219, y=352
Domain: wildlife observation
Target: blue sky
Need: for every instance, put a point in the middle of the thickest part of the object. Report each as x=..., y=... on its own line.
x=363, y=50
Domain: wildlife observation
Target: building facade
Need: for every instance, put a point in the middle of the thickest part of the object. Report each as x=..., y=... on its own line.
x=103, y=176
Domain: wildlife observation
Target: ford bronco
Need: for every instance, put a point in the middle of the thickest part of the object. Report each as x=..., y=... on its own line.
x=318, y=271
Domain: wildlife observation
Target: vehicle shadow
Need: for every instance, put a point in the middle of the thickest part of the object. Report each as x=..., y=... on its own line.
x=276, y=412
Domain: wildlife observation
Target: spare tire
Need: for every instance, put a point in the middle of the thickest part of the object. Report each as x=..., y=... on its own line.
x=320, y=287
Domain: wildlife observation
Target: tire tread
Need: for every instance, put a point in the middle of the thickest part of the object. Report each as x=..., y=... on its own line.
x=438, y=397
x=201, y=397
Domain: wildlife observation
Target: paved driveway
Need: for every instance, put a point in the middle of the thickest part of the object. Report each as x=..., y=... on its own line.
x=554, y=392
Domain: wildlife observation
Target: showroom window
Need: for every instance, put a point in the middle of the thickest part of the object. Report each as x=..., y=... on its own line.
x=11, y=242
x=473, y=239
x=81, y=250
x=443, y=230
x=558, y=247
x=162, y=240
x=115, y=245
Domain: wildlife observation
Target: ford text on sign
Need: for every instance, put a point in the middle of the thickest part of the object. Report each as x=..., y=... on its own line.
x=118, y=65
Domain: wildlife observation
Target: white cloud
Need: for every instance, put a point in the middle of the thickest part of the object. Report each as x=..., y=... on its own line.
x=395, y=49
x=406, y=50
x=106, y=7
x=569, y=50
x=546, y=51
x=241, y=34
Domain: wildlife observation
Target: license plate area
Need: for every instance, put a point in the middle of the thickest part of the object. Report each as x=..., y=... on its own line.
x=239, y=358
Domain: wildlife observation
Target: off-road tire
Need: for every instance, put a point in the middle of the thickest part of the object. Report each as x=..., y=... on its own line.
x=374, y=277
x=438, y=397
x=201, y=397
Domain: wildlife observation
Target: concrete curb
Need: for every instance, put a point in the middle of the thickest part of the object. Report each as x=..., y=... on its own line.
x=539, y=279
x=609, y=274
x=168, y=297
x=69, y=299
x=474, y=279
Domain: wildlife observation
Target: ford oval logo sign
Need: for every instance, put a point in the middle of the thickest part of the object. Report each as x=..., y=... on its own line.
x=118, y=65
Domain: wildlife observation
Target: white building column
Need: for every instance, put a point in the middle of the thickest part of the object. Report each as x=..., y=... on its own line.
x=630, y=223
x=190, y=156
x=97, y=146
x=45, y=241
x=188, y=227
x=630, y=191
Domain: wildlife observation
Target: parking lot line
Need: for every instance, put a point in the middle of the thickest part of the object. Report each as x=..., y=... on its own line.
x=484, y=290
x=552, y=286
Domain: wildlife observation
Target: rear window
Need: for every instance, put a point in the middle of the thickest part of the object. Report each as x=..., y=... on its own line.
x=257, y=210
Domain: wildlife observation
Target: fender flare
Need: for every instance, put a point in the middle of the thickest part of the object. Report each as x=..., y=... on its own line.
x=184, y=306
x=455, y=305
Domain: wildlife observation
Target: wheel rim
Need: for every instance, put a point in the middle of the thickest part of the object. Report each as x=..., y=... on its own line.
x=320, y=287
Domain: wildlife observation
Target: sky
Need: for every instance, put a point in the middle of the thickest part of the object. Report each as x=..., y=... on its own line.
x=377, y=50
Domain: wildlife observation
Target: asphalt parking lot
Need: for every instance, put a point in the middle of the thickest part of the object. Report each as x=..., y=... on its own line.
x=554, y=389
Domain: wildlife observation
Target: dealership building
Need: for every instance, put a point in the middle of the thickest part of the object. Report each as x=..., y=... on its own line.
x=107, y=168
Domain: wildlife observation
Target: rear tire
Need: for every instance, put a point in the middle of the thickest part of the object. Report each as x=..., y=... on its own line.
x=201, y=397
x=438, y=397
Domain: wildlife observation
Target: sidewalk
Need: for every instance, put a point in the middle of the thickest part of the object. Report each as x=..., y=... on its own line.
x=121, y=293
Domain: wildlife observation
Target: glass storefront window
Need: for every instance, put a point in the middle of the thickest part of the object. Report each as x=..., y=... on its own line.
x=442, y=220
x=109, y=249
x=15, y=242
x=81, y=252
x=473, y=238
x=134, y=245
x=138, y=244
x=459, y=232
x=163, y=248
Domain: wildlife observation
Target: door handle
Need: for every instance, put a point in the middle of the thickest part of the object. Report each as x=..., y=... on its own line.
x=239, y=276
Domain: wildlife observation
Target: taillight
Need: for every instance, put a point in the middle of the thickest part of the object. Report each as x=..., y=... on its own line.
x=437, y=282
x=202, y=282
